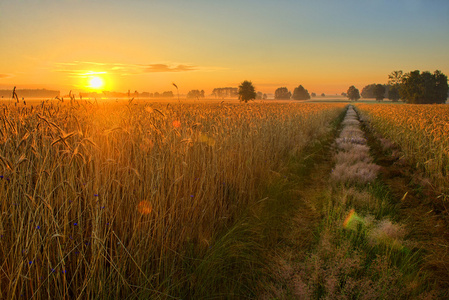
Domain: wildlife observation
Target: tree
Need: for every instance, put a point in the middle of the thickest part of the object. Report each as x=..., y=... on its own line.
x=195, y=94
x=353, y=93
x=394, y=85
x=424, y=88
x=300, y=93
x=393, y=93
x=379, y=92
x=323, y=95
x=313, y=95
x=395, y=78
x=282, y=93
x=167, y=94
x=247, y=91
x=368, y=91
x=441, y=86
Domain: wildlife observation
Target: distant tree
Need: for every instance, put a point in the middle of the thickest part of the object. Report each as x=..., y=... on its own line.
x=300, y=93
x=353, y=93
x=246, y=91
x=424, y=88
x=393, y=93
x=379, y=92
x=441, y=87
x=313, y=95
x=167, y=94
x=259, y=95
x=323, y=95
x=226, y=92
x=265, y=96
x=368, y=91
x=195, y=94
x=394, y=85
x=344, y=94
x=282, y=93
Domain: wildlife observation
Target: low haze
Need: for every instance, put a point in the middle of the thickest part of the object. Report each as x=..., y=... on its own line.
x=326, y=46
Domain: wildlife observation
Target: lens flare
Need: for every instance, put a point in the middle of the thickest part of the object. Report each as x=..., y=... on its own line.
x=145, y=207
x=351, y=216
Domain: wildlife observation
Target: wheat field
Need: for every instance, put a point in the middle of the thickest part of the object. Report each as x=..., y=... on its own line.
x=420, y=131
x=106, y=200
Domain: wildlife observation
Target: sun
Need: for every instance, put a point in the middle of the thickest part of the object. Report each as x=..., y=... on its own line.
x=96, y=82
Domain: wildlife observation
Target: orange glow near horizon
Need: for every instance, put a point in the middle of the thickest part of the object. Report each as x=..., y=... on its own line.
x=325, y=53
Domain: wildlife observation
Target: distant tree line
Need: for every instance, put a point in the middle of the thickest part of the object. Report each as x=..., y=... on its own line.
x=226, y=92
x=414, y=87
x=135, y=94
x=30, y=93
x=261, y=96
x=299, y=93
x=195, y=94
x=424, y=88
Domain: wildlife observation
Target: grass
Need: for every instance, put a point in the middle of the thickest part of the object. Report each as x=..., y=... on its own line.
x=140, y=200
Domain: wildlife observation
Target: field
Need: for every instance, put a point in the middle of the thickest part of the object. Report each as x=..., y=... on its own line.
x=271, y=200
x=107, y=200
x=420, y=131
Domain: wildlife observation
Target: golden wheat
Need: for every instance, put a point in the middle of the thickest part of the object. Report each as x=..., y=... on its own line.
x=101, y=200
x=421, y=131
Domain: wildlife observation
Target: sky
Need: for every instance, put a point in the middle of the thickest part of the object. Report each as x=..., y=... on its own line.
x=146, y=45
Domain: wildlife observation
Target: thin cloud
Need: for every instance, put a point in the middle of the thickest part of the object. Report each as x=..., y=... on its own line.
x=81, y=68
x=5, y=75
x=169, y=68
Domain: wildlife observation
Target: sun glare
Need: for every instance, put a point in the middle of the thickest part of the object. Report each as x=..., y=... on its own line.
x=96, y=83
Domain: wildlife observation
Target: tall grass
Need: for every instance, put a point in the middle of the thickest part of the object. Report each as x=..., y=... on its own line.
x=108, y=201
x=421, y=132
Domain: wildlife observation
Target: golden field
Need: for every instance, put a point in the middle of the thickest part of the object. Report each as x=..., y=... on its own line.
x=421, y=131
x=107, y=200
